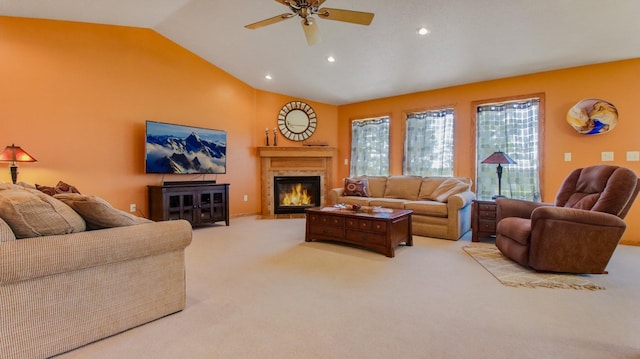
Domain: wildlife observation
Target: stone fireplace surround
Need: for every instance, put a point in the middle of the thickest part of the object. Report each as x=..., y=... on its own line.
x=294, y=161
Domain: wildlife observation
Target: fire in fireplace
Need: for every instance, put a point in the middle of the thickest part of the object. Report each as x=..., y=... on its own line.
x=292, y=194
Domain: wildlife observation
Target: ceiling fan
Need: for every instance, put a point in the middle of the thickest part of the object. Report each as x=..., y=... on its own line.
x=306, y=8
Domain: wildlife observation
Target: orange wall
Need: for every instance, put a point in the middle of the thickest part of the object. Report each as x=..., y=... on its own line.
x=76, y=96
x=615, y=82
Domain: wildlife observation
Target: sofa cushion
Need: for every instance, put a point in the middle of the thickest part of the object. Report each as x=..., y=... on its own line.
x=355, y=187
x=363, y=201
x=404, y=187
x=6, y=234
x=448, y=188
x=377, y=185
x=429, y=208
x=98, y=213
x=31, y=213
x=397, y=203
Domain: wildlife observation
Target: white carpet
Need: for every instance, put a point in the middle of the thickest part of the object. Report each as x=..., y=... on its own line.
x=255, y=289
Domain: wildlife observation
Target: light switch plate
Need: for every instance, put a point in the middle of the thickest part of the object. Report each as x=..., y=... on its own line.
x=607, y=156
x=633, y=156
x=567, y=156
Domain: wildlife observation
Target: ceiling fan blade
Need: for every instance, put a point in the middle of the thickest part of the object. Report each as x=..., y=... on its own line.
x=269, y=21
x=311, y=31
x=355, y=17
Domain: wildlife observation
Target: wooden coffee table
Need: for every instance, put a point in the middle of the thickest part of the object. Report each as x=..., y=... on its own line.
x=381, y=230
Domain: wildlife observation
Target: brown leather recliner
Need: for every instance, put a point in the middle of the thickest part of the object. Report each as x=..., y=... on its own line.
x=577, y=234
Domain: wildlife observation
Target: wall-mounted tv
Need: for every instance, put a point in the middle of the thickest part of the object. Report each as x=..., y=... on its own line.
x=183, y=149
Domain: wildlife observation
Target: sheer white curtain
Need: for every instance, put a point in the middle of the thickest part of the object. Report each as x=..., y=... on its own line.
x=370, y=147
x=428, y=143
x=510, y=127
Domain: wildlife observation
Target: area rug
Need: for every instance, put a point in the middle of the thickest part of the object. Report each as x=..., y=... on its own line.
x=512, y=274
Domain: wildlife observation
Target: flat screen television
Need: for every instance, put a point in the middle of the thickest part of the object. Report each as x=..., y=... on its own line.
x=179, y=149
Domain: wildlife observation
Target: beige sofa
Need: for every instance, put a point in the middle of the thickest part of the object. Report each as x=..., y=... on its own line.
x=63, y=291
x=441, y=205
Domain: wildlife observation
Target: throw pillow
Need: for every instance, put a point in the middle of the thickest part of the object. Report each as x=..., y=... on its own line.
x=355, y=187
x=46, y=189
x=429, y=184
x=31, y=213
x=98, y=213
x=448, y=188
x=61, y=187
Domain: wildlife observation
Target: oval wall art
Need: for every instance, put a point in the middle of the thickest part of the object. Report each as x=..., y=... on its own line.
x=593, y=116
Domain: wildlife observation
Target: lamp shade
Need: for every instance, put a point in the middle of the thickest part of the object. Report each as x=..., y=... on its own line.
x=499, y=157
x=15, y=154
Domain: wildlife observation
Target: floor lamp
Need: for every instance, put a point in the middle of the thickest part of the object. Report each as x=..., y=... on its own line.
x=500, y=158
x=15, y=154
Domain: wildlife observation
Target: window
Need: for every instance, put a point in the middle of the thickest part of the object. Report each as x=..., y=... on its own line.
x=370, y=147
x=511, y=127
x=428, y=143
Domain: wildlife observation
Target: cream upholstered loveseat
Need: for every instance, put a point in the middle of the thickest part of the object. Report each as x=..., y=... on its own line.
x=62, y=291
x=441, y=205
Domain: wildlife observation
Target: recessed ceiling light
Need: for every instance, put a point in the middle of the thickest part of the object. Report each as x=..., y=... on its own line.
x=331, y=59
x=268, y=77
x=422, y=31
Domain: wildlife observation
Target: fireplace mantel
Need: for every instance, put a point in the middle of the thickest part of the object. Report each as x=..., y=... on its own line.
x=306, y=151
x=293, y=161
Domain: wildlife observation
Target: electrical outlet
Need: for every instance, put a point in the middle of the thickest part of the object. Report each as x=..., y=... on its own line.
x=246, y=198
x=607, y=156
x=132, y=207
x=633, y=156
x=346, y=161
x=567, y=156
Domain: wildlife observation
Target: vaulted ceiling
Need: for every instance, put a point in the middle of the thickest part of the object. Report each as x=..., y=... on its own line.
x=469, y=40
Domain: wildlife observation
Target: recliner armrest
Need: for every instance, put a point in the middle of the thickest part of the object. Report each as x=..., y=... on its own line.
x=508, y=207
x=576, y=216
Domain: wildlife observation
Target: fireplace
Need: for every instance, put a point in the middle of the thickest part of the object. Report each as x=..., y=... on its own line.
x=292, y=194
x=294, y=161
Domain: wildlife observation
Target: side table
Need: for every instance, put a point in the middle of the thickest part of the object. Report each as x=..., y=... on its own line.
x=483, y=219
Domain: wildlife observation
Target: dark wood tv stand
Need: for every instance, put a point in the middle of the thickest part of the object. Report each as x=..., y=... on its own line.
x=200, y=203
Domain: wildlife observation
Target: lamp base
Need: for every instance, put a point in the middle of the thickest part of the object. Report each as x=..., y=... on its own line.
x=14, y=173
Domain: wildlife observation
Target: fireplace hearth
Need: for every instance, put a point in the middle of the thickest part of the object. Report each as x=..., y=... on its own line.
x=293, y=194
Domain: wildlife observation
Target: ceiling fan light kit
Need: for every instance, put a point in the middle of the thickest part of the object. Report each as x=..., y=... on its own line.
x=305, y=9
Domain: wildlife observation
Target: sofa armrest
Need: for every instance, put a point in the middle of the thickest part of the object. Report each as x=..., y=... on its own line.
x=509, y=207
x=460, y=200
x=334, y=194
x=42, y=256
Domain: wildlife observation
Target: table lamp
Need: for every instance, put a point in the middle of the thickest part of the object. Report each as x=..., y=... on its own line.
x=15, y=154
x=499, y=158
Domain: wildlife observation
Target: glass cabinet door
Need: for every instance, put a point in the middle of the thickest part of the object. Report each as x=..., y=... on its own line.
x=181, y=206
x=205, y=206
x=211, y=206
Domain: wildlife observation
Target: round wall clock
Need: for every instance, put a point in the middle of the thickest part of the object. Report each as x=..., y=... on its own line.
x=297, y=121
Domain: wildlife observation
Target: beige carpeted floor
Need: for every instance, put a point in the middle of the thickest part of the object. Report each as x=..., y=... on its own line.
x=255, y=289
